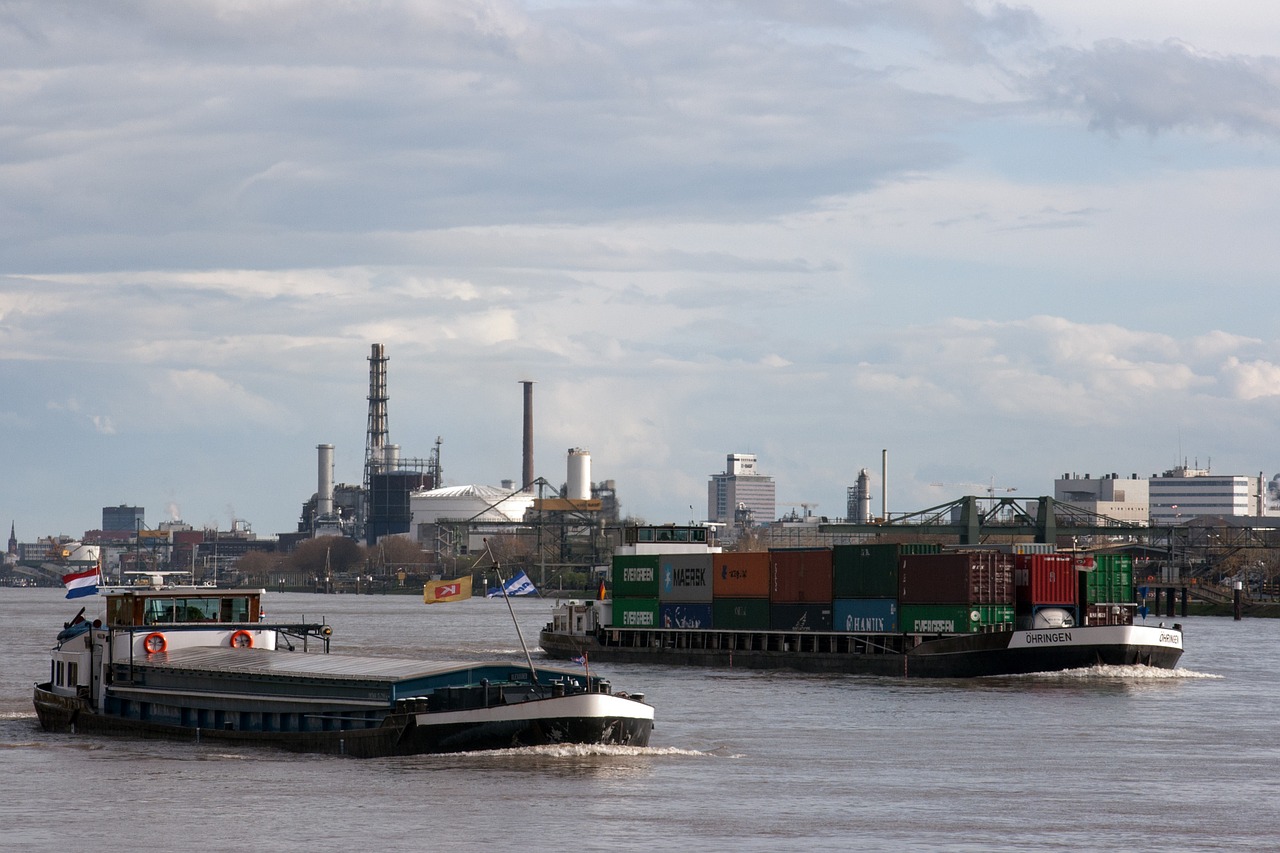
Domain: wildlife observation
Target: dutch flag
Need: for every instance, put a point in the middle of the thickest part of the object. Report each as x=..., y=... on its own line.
x=80, y=584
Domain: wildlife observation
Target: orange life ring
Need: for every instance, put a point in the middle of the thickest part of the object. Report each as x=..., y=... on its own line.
x=242, y=640
x=154, y=643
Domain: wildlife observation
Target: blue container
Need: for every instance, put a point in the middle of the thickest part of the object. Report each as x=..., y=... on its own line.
x=865, y=615
x=684, y=615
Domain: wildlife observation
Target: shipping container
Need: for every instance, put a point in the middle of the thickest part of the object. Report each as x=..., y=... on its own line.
x=740, y=574
x=1110, y=581
x=958, y=577
x=740, y=614
x=1110, y=614
x=955, y=618
x=684, y=578
x=800, y=617
x=858, y=615
x=684, y=615
x=635, y=576
x=1045, y=579
x=635, y=613
x=800, y=576
x=865, y=571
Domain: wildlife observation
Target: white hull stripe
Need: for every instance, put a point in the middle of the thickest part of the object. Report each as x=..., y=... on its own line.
x=582, y=705
x=1098, y=635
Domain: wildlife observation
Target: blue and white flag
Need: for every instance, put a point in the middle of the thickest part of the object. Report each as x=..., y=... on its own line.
x=518, y=585
x=580, y=660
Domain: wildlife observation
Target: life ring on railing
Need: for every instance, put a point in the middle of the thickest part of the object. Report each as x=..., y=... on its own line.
x=154, y=643
x=242, y=640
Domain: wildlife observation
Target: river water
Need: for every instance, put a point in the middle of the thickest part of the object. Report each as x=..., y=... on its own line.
x=1103, y=759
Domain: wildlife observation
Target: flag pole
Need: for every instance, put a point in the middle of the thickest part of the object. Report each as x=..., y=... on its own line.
x=502, y=585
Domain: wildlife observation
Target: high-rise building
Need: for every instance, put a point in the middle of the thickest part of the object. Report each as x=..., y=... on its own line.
x=123, y=519
x=739, y=491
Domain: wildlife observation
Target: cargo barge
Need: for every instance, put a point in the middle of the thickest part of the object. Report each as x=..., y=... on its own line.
x=199, y=664
x=890, y=610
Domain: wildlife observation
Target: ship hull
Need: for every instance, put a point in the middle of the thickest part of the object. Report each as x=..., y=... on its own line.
x=586, y=719
x=956, y=656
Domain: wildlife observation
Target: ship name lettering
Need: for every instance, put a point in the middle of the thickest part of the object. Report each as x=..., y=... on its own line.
x=1049, y=637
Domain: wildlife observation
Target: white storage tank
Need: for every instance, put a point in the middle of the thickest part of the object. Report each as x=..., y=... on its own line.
x=579, y=482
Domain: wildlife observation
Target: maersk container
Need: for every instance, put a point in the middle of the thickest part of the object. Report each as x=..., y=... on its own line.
x=740, y=614
x=635, y=613
x=740, y=574
x=1111, y=580
x=955, y=618
x=861, y=615
x=684, y=578
x=1045, y=579
x=635, y=576
x=800, y=576
x=684, y=615
x=800, y=617
x=957, y=577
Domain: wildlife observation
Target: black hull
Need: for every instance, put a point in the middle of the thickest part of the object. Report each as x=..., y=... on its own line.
x=399, y=734
x=961, y=656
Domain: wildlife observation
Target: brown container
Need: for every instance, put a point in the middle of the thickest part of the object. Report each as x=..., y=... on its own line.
x=964, y=577
x=800, y=576
x=740, y=574
x=1109, y=614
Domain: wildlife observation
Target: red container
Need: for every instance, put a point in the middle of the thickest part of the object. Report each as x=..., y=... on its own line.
x=1045, y=579
x=957, y=577
x=740, y=574
x=800, y=576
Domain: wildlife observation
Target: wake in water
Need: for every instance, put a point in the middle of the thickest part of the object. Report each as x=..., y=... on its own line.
x=1108, y=672
x=581, y=750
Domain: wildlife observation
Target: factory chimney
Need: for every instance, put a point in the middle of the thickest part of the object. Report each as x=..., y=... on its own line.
x=527, y=479
x=324, y=484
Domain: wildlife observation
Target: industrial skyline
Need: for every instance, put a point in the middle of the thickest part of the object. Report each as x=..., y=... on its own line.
x=999, y=241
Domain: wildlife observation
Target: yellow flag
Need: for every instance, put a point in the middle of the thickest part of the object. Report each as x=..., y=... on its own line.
x=435, y=592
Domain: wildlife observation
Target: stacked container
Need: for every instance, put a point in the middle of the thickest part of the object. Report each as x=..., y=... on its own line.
x=1106, y=591
x=740, y=590
x=684, y=591
x=865, y=585
x=1045, y=590
x=800, y=591
x=956, y=592
x=635, y=591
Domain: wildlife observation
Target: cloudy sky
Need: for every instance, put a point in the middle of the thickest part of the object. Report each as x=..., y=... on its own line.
x=1003, y=242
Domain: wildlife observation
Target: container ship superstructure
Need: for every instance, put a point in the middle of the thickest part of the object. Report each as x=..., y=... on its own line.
x=915, y=610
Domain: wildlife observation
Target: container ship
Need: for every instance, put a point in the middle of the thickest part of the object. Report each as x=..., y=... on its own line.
x=913, y=610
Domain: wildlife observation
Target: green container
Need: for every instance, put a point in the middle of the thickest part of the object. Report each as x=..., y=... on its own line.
x=635, y=613
x=1110, y=582
x=635, y=576
x=954, y=618
x=740, y=614
x=871, y=570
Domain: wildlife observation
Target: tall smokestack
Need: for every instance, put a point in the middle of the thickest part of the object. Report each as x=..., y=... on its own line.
x=324, y=482
x=527, y=485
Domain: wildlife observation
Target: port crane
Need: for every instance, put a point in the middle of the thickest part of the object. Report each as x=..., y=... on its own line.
x=991, y=487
